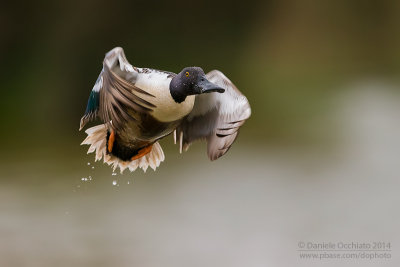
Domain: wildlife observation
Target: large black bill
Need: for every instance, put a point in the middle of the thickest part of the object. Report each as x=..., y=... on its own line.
x=207, y=87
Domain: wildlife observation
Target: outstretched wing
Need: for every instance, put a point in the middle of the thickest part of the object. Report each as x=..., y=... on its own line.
x=115, y=97
x=215, y=117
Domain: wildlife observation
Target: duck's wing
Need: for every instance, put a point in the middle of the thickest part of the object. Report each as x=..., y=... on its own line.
x=115, y=97
x=215, y=117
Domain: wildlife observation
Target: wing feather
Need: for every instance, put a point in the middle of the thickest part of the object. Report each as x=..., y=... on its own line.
x=120, y=100
x=216, y=117
x=115, y=97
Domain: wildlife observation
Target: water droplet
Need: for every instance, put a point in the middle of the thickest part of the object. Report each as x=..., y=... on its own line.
x=114, y=173
x=114, y=182
x=128, y=182
x=92, y=167
x=90, y=177
x=88, y=163
x=84, y=179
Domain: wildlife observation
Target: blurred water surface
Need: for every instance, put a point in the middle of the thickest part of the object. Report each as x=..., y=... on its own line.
x=250, y=208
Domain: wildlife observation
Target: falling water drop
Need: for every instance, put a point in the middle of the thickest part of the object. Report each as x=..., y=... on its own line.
x=114, y=182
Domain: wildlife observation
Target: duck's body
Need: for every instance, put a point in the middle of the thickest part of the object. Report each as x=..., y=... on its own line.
x=139, y=106
x=157, y=83
x=163, y=118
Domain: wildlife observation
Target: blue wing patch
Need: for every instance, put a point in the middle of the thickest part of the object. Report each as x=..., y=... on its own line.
x=93, y=103
x=92, y=107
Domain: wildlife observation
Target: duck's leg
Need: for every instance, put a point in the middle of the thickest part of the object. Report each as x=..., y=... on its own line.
x=111, y=140
x=142, y=152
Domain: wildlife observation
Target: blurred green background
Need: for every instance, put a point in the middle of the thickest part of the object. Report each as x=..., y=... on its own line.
x=288, y=57
x=322, y=78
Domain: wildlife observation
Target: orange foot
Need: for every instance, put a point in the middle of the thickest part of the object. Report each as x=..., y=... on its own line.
x=111, y=140
x=142, y=152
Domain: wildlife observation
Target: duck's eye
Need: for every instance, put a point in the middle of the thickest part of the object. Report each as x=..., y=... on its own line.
x=187, y=74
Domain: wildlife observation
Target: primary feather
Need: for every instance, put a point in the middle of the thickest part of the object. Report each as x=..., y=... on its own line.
x=216, y=117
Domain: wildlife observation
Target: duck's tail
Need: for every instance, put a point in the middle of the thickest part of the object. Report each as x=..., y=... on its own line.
x=97, y=139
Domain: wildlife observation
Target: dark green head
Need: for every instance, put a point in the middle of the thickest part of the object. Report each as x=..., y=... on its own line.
x=191, y=81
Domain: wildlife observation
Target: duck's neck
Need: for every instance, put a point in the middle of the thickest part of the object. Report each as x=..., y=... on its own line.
x=177, y=92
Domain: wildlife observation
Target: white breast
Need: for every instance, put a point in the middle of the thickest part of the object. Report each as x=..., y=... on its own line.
x=157, y=84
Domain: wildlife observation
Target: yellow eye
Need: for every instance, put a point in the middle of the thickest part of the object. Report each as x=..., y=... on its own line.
x=187, y=74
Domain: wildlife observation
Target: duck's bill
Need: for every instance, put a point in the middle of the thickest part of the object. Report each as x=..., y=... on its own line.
x=206, y=86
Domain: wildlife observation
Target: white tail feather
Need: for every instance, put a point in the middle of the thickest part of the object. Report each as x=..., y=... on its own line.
x=180, y=142
x=97, y=140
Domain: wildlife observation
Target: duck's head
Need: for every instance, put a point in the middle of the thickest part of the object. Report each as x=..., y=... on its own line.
x=191, y=81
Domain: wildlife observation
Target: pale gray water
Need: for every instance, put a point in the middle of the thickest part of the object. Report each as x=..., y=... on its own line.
x=251, y=208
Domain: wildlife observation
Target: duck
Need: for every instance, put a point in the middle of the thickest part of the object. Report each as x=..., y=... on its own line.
x=140, y=106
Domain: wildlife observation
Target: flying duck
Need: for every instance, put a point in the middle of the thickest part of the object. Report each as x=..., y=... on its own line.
x=139, y=106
